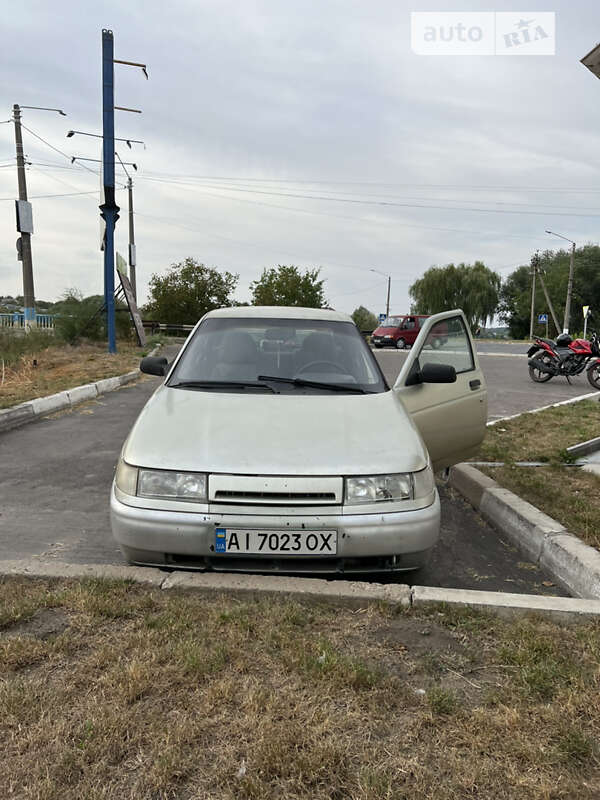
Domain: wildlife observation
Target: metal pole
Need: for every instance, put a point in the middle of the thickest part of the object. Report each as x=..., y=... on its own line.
x=26, y=255
x=109, y=209
x=533, y=274
x=387, y=307
x=132, y=256
x=585, y=319
x=569, y=290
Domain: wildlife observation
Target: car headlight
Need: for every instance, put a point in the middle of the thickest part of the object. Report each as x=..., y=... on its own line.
x=389, y=488
x=161, y=483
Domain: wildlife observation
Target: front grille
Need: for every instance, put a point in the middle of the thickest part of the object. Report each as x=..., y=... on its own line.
x=316, y=497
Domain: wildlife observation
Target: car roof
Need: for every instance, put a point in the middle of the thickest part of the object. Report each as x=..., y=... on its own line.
x=280, y=312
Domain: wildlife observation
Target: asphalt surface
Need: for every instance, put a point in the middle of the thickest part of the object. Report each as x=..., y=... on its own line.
x=57, y=473
x=510, y=389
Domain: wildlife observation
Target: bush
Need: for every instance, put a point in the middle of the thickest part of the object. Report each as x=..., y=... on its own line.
x=80, y=317
x=14, y=343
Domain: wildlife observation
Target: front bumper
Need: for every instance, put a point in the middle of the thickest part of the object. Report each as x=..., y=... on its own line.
x=366, y=542
x=380, y=341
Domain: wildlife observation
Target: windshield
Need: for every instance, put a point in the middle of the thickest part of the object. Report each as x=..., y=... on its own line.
x=392, y=322
x=226, y=350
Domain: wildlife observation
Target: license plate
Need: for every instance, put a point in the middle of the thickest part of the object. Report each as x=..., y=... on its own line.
x=291, y=543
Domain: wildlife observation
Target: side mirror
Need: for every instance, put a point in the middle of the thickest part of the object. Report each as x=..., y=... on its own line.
x=154, y=365
x=438, y=373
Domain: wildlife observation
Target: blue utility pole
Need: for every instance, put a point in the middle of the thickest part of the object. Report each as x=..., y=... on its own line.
x=109, y=210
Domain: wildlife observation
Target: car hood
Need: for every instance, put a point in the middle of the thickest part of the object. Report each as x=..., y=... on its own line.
x=275, y=434
x=384, y=331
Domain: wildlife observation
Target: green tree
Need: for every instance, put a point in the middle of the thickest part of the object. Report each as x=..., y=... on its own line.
x=472, y=287
x=515, y=295
x=187, y=291
x=364, y=319
x=288, y=286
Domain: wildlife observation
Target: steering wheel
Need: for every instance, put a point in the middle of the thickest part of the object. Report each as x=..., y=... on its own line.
x=307, y=367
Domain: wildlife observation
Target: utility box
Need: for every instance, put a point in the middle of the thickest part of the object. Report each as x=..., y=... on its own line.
x=24, y=216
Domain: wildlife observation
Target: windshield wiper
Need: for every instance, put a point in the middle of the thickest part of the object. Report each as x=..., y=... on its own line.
x=222, y=385
x=336, y=387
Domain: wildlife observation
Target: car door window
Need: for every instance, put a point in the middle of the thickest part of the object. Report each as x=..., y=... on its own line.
x=449, y=343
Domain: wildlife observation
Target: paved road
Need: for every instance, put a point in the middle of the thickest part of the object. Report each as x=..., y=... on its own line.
x=510, y=389
x=57, y=476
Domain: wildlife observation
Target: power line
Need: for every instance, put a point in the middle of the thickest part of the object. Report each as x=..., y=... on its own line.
x=378, y=183
x=393, y=223
x=51, y=146
x=44, y=196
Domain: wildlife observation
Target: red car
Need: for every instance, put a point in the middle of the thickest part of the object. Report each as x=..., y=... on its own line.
x=402, y=331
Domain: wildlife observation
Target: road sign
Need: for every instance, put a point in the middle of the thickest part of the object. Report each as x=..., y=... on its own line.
x=382, y=318
x=542, y=317
x=586, y=311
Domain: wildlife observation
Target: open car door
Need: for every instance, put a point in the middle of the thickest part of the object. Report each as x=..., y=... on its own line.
x=442, y=387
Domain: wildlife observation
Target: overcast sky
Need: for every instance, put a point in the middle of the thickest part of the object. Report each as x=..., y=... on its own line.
x=253, y=105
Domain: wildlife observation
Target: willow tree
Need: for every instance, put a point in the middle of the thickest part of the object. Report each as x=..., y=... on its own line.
x=472, y=287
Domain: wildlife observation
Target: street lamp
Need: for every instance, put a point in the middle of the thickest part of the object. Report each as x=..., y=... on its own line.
x=99, y=136
x=570, y=283
x=389, y=284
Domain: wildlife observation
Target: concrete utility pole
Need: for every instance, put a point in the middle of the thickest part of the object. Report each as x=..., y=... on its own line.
x=570, y=283
x=550, y=306
x=25, y=247
x=389, y=286
x=533, y=274
x=132, y=258
x=567, y=321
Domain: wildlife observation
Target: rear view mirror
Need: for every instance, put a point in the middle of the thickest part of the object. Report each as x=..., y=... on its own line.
x=154, y=365
x=438, y=373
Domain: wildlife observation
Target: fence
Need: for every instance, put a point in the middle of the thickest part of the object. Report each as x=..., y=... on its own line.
x=17, y=320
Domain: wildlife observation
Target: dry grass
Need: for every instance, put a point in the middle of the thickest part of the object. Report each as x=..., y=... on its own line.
x=58, y=367
x=113, y=690
x=565, y=493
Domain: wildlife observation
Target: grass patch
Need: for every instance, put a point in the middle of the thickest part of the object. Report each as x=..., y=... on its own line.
x=567, y=494
x=36, y=365
x=149, y=694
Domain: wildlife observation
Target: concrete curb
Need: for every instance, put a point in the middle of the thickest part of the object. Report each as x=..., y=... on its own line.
x=354, y=594
x=504, y=604
x=40, y=406
x=572, y=563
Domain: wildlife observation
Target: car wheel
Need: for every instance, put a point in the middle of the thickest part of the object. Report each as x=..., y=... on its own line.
x=400, y=344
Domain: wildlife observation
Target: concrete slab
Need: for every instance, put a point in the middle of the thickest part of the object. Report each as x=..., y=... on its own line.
x=354, y=593
x=575, y=564
x=470, y=482
x=81, y=393
x=526, y=525
x=129, y=377
x=17, y=415
x=107, y=385
x=561, y=609
x=50, y=403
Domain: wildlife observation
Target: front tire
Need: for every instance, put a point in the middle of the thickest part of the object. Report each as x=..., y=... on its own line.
x=537, y=375
x=593, y=376
x=400, y=344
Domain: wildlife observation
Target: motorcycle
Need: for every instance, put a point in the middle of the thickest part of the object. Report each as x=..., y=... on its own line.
x=566, y=357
